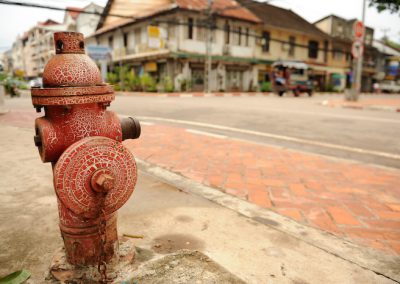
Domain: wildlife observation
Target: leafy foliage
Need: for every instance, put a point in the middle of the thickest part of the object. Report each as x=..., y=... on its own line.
x=168, y=85
x=381, y=5
x=148, y=83
x=124, y=79
x=265, y=87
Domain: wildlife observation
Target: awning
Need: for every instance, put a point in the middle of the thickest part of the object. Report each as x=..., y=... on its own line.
x=221, y=58
x=291, y=64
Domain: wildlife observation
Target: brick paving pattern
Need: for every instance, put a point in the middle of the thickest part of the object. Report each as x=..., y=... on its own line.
x=348, y=199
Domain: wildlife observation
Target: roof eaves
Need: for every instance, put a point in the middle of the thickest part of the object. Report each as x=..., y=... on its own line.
x=106, y=10
x=171, y=9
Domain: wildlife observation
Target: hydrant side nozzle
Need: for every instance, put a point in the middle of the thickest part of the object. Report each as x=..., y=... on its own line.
x=131, y=128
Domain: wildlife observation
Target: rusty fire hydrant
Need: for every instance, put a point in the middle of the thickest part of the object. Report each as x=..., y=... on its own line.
x=94, y=174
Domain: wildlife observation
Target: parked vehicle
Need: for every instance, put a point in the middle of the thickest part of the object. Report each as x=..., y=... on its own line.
x=37, y=82
x=291, y=76
x=389, y=87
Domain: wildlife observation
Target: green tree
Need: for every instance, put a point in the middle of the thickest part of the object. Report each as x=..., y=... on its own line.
x=381, y=5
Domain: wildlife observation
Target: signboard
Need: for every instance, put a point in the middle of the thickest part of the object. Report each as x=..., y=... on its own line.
x=357, y=49
x=358, y=29
x=150, y=67
x=99, y=52
x=156, y=37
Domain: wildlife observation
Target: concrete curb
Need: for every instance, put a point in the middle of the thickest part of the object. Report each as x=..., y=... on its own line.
x=194, y=95
x=365, y=258
x=361, y=107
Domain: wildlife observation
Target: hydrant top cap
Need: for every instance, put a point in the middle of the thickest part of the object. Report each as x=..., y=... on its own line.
x=70, y=67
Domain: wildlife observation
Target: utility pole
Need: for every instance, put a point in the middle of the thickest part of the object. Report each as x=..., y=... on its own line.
x=208, y=59
x=357, y=73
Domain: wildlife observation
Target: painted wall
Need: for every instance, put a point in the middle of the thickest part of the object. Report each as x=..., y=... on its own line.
x=280, y=51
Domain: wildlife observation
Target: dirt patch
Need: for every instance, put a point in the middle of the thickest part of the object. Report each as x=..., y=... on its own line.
x=184, y=267
x=173, y=242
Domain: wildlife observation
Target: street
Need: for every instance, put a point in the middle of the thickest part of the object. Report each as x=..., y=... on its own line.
x=329, y=169
x=296, y=123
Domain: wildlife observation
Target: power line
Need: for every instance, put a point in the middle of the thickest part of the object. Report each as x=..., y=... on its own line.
x=34, y=5
x=173, y=22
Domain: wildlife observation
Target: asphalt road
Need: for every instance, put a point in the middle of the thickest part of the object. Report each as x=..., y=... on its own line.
x=368, y=136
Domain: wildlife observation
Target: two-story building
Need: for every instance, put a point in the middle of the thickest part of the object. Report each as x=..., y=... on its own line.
x=284, y=35
x=248, y=37
x=341, y=31
x=167, y=38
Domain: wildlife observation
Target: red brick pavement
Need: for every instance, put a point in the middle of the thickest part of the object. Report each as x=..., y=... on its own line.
x=346, y=198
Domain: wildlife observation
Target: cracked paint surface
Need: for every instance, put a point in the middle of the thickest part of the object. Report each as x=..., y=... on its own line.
x=74, y=170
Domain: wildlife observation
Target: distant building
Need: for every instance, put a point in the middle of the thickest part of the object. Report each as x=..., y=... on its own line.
x=31, y=51
x=284, y=35
x=6, y=61
x=83, y=20
x=341, y=31
x=388, y=63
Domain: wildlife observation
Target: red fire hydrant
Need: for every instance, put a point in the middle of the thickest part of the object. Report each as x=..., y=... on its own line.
x=94, y=174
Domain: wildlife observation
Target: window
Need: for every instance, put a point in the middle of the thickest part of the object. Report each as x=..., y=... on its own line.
x=110, y=41
x=326, y=49
x=227, y=29
x=337, y=55
x=239, y=42
x=201, y=33
x=292, y=45
x=368, y=39
x=137, y=33
x=313, y=49
x=265, y=41
x=190, y=28
x=247, y=36
x=126, y=40
x=171, y=31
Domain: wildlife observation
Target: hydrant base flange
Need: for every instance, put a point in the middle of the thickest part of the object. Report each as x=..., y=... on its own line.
x=118, y=269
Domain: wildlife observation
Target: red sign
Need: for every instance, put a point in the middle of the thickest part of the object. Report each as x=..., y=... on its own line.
x=357, y=49
x=358, y=29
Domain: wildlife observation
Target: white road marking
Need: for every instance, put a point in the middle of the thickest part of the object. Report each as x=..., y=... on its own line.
x=146, y=123
x=350, y=117
x=276, y=136
x=193, y=131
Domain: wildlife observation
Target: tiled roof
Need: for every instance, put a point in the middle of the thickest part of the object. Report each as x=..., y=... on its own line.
x=227, y=8
x=281, y=18
x=75, y=13
x=48, y=22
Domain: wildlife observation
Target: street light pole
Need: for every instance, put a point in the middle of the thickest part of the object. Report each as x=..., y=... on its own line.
x=357, y=79
x=208, y=61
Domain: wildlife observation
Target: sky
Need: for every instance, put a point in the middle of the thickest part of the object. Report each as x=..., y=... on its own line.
x=16, y=20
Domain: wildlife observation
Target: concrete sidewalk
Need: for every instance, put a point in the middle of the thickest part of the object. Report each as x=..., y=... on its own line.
x=257, y=250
